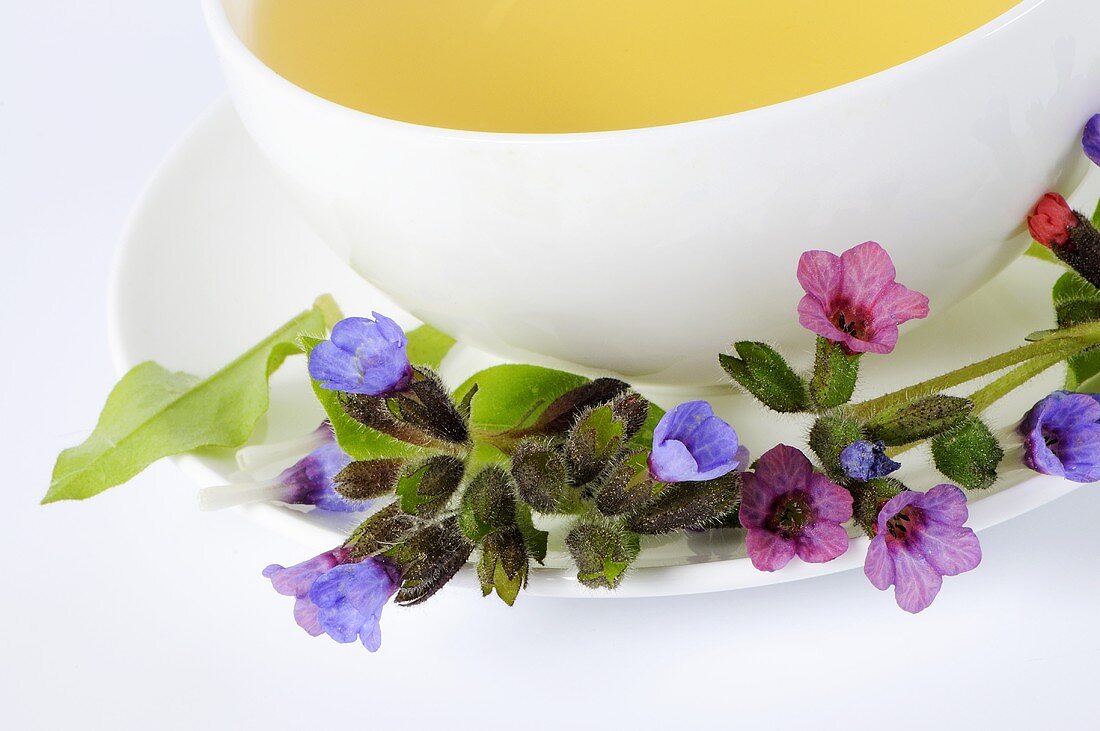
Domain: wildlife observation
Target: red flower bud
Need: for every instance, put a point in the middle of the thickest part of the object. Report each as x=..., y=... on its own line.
x=1051, y=220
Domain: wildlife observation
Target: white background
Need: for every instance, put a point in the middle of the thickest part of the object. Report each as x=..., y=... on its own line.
x=135, y=611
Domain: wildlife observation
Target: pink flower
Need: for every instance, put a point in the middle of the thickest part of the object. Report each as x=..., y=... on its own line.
x=853, y=299
x=1050, y=220
x=792, y=511
x=919, y=539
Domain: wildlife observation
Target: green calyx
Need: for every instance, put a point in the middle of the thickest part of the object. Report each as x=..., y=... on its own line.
x=834, y=375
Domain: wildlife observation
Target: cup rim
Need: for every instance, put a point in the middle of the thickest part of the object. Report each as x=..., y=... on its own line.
x=228, y=41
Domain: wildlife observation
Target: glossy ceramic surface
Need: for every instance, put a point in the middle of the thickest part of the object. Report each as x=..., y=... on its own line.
x=628, y=251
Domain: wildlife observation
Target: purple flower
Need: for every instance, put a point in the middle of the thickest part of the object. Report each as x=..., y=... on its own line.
x=691, y=444
x=309, y=481
x=790, y=510
x=919, y=539
x=350, y=598
x=363, y=356
x=1062, y=436
x=297, y=580
x=865, y=460
x=853, y=299
x=1090, y=139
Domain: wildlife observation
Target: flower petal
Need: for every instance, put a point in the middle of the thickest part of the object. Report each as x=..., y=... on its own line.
x=897, y=304
x=821, y=541
x=768, y=551
x=819, y=274
x=944, y=503
x=682, y=420
x=756, y=501
x=813, y=316
x=305, y=614
x=894, y=506
x=830, y=501
x=783, y=468
x=879, y=565
x=916, y=582
x=1079, y=452
x=336, y=369
x=670, y=461
x=865, y=270
x=949, y=549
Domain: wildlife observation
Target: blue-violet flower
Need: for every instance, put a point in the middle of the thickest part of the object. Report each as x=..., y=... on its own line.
x=863, y=460
x=691, y=444
x=790, y=510
x=297, y=580
x=309, y=481
x=1062, y=436
x=1090, y=139
x=350, y=597
x=363, y=356
x=919, y=539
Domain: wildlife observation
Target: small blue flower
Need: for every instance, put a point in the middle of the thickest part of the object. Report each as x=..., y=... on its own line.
x=865, y=460
x=350, y=597
x=363, y=356
x=1062, y=436
x=1090, y=139
x=309, y=481
x=691, y=444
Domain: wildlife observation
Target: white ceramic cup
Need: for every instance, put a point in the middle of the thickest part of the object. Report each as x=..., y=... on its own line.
x=645, y=252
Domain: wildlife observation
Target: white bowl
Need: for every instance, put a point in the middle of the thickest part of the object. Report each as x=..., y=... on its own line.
x=644, y=252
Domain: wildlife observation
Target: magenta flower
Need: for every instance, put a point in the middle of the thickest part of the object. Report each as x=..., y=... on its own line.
x=1062, y=436
x=1090, y=139
x=919, y=539
x=297, y=580
x=790, y=510
x=691, y=444
x=853, y=299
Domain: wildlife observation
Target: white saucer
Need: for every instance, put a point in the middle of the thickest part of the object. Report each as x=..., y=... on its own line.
x=215, y=256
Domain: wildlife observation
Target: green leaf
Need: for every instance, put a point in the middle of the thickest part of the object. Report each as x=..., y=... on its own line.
x=153, y=413
x=1096, y=215
x=835, y=374
x=360, y=442
x=968, y=454
x=428, y=346
x=1038, y=251
x=534, y=539
x=1083, y=369
x=514, y=395
x=764, y=373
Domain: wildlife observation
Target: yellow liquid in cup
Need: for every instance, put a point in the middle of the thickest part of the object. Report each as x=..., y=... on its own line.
x=586, y=65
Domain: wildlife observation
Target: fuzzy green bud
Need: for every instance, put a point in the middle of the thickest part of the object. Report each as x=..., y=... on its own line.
x=426, y=487
x=602, y=553
x=488, y=504
x=594, y=443
x=541, y=477
x=689, y=505
x=429, y=559
x=920, y=419
x=368, y=479
x=968, y=454
x=503, y=564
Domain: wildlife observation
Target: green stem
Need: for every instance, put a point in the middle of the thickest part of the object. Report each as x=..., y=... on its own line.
x=1059, y=346
x=986, y=396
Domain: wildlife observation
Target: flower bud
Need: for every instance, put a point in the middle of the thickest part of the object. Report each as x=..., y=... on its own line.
x=626, y=488
x=429, y=559
x=829, y=435
x=385, y=529
x=602, y=553
x=426, y=405
x=869, y=499
x=503, y=564
x=1051, y=220
x=633, y=411
x=542, y=479
x=557, y=418
x=488, y=504
x=689, y=505
x=367, y=479
x=920, y=419
x=968, y=454
x=593, y=444
x=427, y=487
